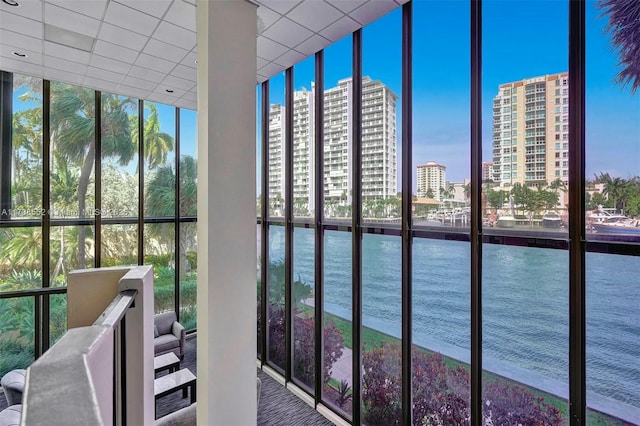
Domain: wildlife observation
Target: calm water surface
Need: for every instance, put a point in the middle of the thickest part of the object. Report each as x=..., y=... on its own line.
x=525, y=302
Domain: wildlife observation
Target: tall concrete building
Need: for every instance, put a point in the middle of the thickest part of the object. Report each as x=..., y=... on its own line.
x=487, y=170
x=379, y=138
x=431, y=176
x=531, y=131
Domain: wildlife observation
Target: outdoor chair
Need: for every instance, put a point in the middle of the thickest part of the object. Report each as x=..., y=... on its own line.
x=13, y=385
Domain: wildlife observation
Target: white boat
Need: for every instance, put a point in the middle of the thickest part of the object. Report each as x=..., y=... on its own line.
x=608, y=220
x=506, y=222
x=551, y=220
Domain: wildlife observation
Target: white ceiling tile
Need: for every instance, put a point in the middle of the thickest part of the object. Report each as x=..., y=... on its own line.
x=130, y=19
x=287, y=32
x=261, y=62
x=190, y=60
x=175, y=35
x=155, y=8
x=109, y=64
x=162, y=98
x=270, y=69
x=7, y=50
x=20, y=67
x=185, y=104
x=280, y=6
x=63, y=76
x=134, y=92
x=102, y=74
x=146, y=74
x=182, y=14
x=315, y=15
x=31, y=9
x=261, y=78
x=176, y=92
x=122, y=37
x=163, y=50
x=290, y=58
x=64, y=65
x=269, y=49
x=110, y=50
x=138, y=82
x=19, y=40
x=312, y=45
x=266, y=18
x=20, y=24
x=148, y=61
x=347, y=5
x=372, y=10
x=97, y=84
x=178, y=83
x=190, y=96
x=60, y=51
x=186, y=73
x=193, y=2
x=63, y=18
x=401, y=2
x=339, y=29
x=92, y=8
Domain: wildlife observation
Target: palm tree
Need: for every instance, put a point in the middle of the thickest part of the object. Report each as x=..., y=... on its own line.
x=624, y=26
x=73, y=137
x=613, y=188
x=160, y=200
x=157, y=144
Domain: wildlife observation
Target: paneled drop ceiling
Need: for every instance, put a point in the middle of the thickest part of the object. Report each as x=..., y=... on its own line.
x=146, y=49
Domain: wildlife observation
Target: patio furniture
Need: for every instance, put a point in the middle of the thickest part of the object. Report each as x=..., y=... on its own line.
x=169, y=335
x=168, y=361
x=10, y=416
x=179, y=380
x=13, y=385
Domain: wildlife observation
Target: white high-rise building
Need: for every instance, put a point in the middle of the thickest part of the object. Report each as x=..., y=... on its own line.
x=531, y=131
x=431, y=179
x=379, y=138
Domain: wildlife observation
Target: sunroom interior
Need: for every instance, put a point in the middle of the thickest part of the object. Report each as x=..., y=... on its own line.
x=391, y=211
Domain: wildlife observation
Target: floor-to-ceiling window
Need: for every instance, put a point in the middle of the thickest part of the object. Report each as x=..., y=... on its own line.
x=489, y=294
x=89, y=179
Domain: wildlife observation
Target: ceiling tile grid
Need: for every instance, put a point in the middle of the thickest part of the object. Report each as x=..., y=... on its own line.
x=147, y=49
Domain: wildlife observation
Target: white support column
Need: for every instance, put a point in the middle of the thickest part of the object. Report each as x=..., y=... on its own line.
x=226, y=384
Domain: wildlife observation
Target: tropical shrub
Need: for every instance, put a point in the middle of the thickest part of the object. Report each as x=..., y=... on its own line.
x=441, y=393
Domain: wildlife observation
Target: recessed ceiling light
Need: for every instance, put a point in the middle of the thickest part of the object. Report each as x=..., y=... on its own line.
x=196, y=61
x=18, y=54
x=13, y=3
x=169, y=90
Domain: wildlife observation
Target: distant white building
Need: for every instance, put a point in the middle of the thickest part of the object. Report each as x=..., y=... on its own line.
x=379, y=139
x=432, y=179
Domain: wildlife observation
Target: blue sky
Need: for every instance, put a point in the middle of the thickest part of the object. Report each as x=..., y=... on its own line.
x=521, y=39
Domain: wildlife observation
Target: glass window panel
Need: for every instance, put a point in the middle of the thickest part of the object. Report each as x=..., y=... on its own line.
x=17, y=337
x=73, y=152
x=382, y=329
x=57, y=317
x=259, y=150
x=188, y=274
x=441, y=117
x=72, y=247
x=441, y=330
x=259, y=288
x=276, y=289
x=611, y=125
x=188, y=163
x=119, y=245
x=381, y=118
x=21, y=254
x=26, y=165
x=525, y=333
x=277, y=165
x=304, y=140
x=303, y=306
x=159, y=161
x=528, y=195
x=159, y=251
x=338, y=331
x=119, y=156
x=613, y=338
x=337, y=131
